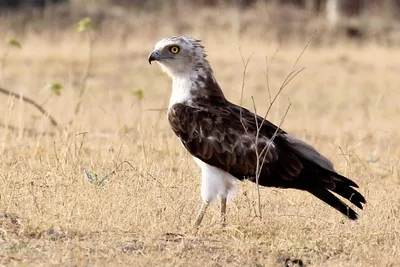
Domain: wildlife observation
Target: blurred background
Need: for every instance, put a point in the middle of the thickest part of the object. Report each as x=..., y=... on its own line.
x=72, y=55
x=361, y=20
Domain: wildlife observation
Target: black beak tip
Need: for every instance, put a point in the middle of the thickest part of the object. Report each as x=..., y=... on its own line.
x=152, y=57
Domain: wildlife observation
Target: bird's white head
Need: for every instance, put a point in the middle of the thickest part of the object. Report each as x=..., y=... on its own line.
x=184, y=60
x=180, y=56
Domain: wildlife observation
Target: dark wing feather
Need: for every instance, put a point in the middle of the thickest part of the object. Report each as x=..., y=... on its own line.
x=223, y=135
x=217, y=136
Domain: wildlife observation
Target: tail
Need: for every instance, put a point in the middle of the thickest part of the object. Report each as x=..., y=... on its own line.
x=320, y=178
x=343, y=187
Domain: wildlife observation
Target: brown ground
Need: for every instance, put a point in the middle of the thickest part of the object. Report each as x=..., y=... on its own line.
x=345, y=103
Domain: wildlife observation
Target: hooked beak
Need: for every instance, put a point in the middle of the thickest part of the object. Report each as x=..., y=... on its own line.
x=154, y=56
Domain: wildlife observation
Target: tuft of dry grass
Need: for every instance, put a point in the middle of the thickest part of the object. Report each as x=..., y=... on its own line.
x=345, y=103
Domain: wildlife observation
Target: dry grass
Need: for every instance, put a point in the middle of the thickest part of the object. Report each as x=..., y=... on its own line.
x=346, y=100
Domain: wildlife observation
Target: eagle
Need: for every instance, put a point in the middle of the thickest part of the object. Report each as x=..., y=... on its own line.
x=230, y=143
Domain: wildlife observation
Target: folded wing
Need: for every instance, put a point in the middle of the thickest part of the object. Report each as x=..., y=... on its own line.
x=230, y=137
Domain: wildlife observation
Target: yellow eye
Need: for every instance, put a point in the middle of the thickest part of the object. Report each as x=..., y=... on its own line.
x=174, y=49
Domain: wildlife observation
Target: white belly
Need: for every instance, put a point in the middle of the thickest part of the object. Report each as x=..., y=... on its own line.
x=216, y=182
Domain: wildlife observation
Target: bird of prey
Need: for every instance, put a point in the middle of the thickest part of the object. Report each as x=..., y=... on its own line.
x=222, y=137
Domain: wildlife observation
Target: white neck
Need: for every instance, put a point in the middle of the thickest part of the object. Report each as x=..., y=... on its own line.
x=182, y=87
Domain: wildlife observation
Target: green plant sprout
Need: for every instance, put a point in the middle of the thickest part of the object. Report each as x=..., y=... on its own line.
x=13, y=42
x=55, y=87
x=85, y=24
x=138, y=93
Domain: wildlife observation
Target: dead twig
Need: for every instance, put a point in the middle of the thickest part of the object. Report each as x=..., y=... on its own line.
x=292, y=74
x=266, y=74
x=264, y=153
x=245, y=64
x=32, y=102
x=260, y=157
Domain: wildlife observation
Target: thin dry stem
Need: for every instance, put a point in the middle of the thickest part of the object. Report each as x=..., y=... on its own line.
x=266, y=74
x=87, y=72
x=245, y=64
x=293, y=73
x=2, y=64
